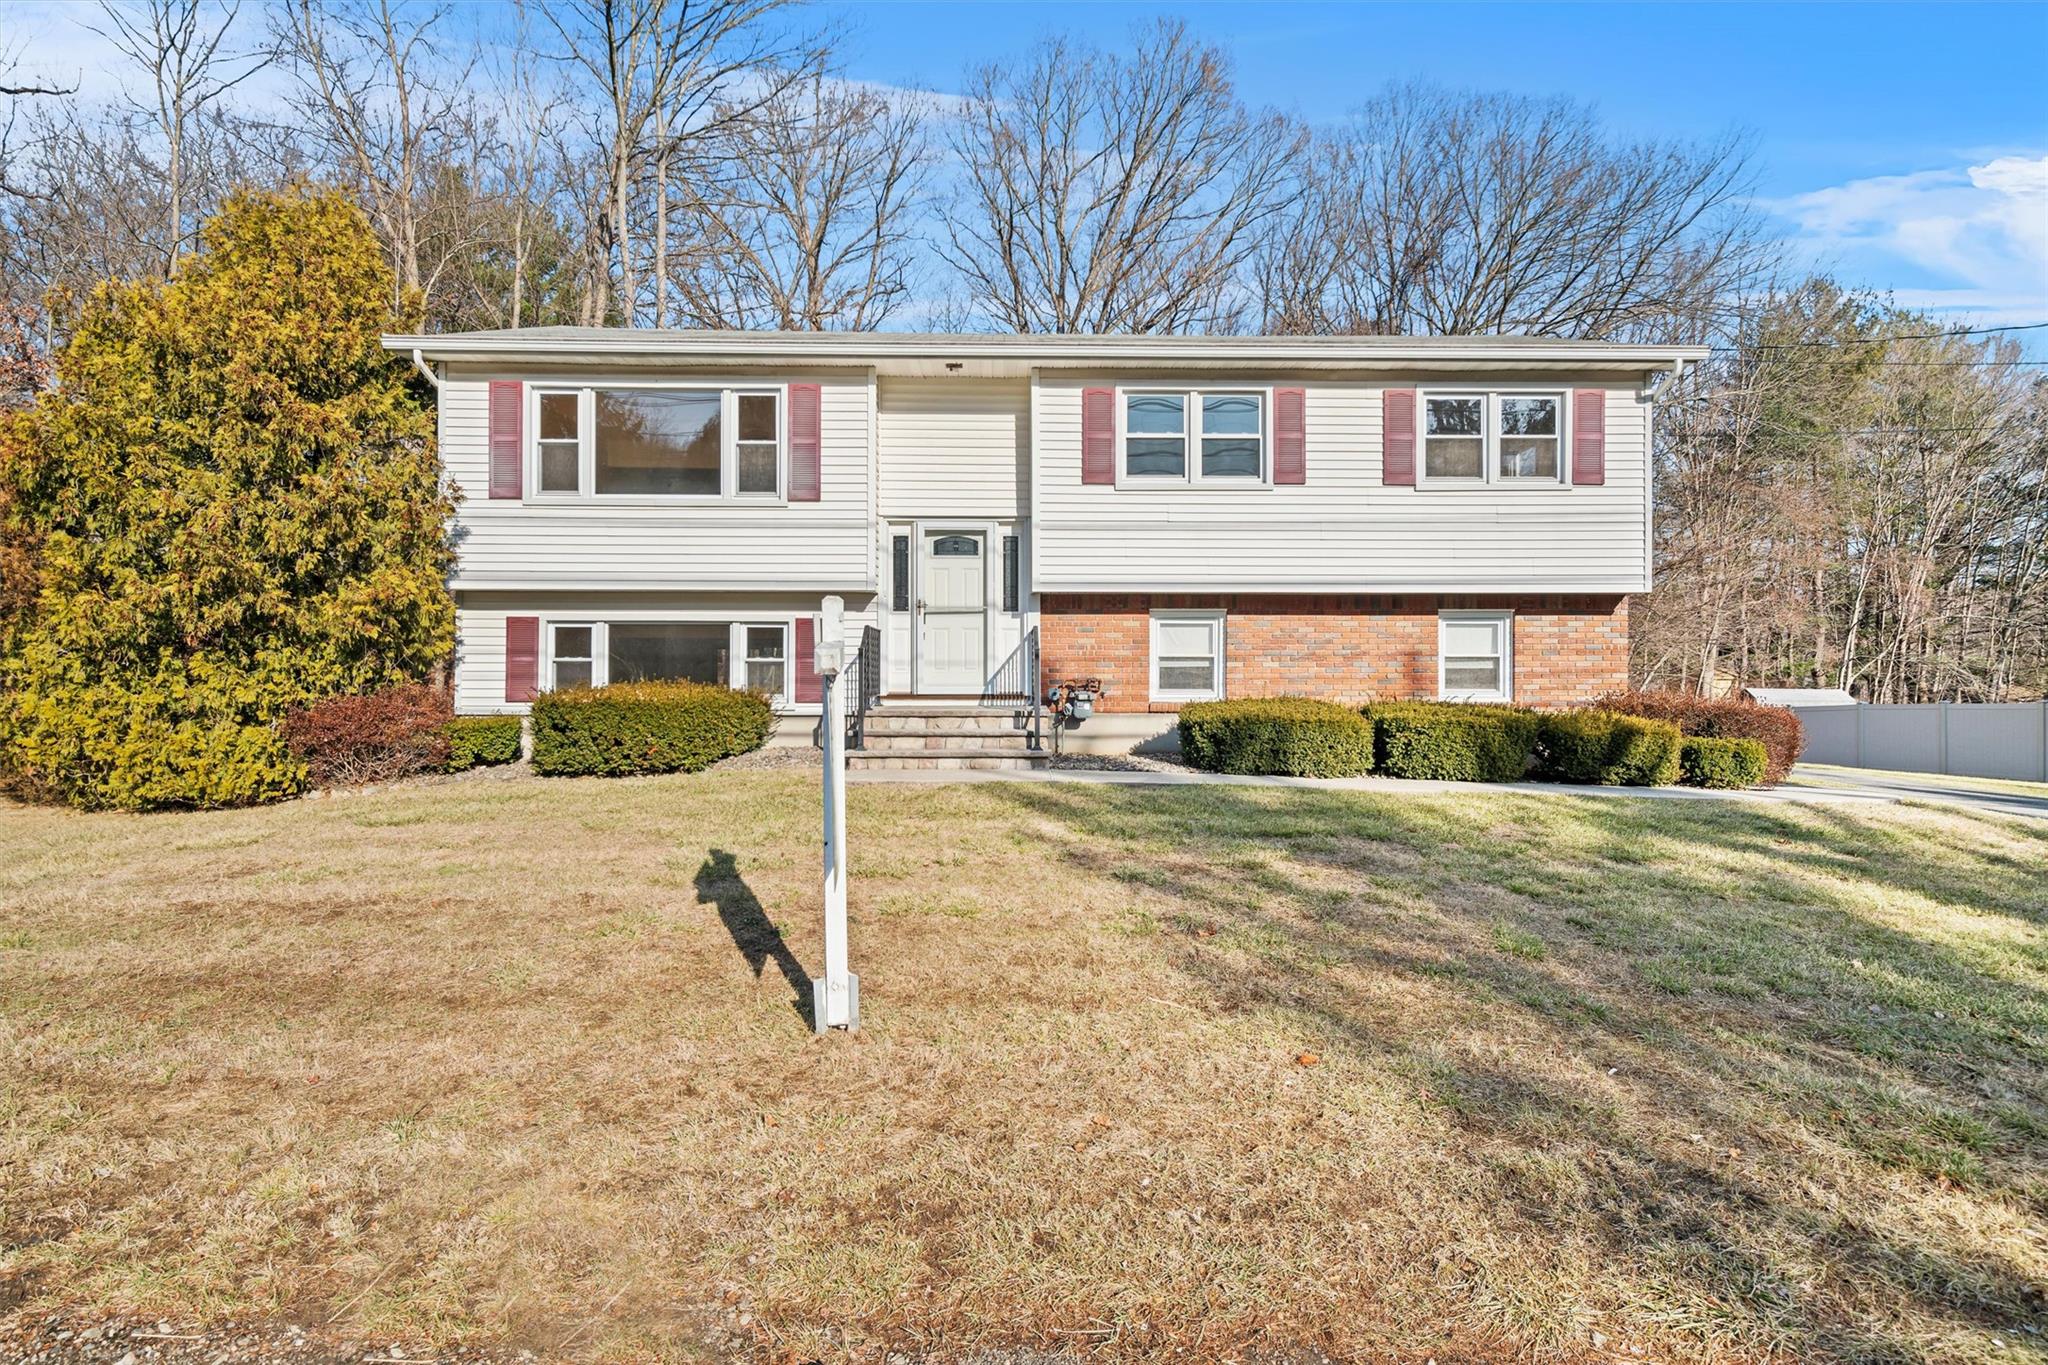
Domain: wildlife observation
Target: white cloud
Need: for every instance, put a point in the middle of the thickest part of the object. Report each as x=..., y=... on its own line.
x=1972, y=239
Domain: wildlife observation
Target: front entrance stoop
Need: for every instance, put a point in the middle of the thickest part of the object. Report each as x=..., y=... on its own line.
x=910, y=734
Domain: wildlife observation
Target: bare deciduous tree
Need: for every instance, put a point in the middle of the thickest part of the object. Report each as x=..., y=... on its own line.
x=1850, y=498
x=1445, y=213
x=1115, y=193
x=668, y=74
x=179, y=46
x=805, y=222
x=533, y=108
x=14, y=93
x=394, y=114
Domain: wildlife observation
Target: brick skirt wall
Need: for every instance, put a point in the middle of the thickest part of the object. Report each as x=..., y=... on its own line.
x=1346, y=647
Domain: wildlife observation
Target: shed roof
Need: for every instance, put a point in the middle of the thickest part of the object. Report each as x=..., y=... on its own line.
x=1799, y=696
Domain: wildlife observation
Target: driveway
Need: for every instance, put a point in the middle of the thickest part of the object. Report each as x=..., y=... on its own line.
x=2025, y=799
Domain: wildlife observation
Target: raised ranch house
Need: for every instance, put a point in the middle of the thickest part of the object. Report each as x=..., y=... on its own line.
x=1181, y=518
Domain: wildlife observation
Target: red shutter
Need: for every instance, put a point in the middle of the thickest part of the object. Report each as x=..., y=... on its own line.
x=1098, y=436
x=522, y=657
x=807, y=686
x=508, y=398
x=1397, y=437
x=1589, y=436
x=1290, y=436
x=806, y=442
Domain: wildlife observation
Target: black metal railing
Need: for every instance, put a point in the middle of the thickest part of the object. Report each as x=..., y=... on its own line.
x=1016, y=681
x=864, y=686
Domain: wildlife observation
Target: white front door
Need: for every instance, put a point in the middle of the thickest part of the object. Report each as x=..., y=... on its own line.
x=952, y=635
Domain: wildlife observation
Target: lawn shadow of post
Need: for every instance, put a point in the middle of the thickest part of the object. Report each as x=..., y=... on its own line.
x=719, y=883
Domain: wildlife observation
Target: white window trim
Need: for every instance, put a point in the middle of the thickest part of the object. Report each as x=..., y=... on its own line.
x=1506, y=622
x=735, y=652
x=551, y=653
x=1215, y=693
x=1489, y=460
x=1191, y=433
x=586, y=493
x=534, y=394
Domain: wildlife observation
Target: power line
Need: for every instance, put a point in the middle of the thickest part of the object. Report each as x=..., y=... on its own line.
x=1912, y=364
x=1886, y=431
x=1881, y=431
x=1887, y=340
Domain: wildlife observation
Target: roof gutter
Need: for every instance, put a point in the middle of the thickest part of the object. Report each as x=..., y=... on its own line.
x=419, y=362
x=865, y=348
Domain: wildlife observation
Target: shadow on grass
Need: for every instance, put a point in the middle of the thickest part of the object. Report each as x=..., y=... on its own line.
x=720, y=885
x=1731, y=960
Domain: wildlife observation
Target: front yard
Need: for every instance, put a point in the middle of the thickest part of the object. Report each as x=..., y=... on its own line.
x=1208, y=1070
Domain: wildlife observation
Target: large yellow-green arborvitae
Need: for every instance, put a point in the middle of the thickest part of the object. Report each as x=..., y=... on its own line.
x=233, y=498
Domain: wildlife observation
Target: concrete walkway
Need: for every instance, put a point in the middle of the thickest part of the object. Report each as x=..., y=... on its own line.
x=1878, y=790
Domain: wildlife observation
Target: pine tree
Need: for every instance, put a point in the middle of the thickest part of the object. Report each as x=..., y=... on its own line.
x=234, y=501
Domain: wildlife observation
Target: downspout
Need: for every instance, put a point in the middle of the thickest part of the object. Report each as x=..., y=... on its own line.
x=1670, y=377
x=419, y=362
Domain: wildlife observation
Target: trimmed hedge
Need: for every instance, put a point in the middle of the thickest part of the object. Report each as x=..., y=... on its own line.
x=481, y=741
x=1721, y=763
x=1291, y=735
x=1775, y=727
x=1607, y=748
x=374, y=737
x=1442, y=741
x=646, y=727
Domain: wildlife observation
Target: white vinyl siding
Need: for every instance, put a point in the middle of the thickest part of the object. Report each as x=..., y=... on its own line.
x=736, y=544
x=954, y=447
x=1342, y=530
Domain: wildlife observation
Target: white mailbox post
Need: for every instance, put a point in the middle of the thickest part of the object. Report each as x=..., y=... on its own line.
x=835, y=997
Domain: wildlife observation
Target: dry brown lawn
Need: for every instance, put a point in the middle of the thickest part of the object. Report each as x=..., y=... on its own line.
x=1145, y=1073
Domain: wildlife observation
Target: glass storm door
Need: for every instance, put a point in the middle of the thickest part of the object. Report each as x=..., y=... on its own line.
x=952, y=612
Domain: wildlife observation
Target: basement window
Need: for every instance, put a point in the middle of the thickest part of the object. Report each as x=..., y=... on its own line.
x=1475, y=655
x=1187, y=655
x=738, y=654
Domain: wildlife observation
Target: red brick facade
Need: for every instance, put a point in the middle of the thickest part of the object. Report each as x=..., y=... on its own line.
x=1347, y=647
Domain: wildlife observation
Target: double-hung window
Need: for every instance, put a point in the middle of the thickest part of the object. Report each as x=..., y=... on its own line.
x=742, y=654
x=560, y=441
x=1193, y=436
x=668, y=442
x=1187, y=655
x=1493, y=438
x=1475, y=655
x=766, y=658
x=571, y=654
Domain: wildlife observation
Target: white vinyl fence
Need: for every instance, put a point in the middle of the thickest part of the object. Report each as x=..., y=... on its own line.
x=1966, y=738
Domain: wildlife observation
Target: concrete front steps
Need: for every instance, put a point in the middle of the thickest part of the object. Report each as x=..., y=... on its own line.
x=915, y=735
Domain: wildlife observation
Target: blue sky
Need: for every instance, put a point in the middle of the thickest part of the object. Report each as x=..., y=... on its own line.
x=1905, y=146
x=1902, y=146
